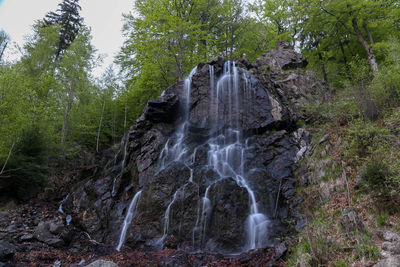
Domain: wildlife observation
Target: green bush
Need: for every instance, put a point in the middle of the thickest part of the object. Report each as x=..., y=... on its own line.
x=385, y=88
x=364, y=137
x=376, y=173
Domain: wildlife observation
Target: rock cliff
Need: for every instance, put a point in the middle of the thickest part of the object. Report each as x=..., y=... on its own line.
x=208, y=165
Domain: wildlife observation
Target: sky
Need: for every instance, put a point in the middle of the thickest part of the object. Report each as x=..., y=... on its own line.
x=104, y=17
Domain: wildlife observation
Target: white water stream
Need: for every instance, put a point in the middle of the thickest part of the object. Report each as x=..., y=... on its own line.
x=128, y=219
x=225, y=154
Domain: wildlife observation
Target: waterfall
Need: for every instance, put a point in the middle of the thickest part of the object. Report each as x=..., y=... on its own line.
x=128, y=219
x=177, y=152
x=60, y=208
x=225, y=154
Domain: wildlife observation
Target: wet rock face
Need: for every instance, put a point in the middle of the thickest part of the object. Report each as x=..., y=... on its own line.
x=214, y=162
x=256, y=107
x=229, y=209
x=163, y=109
x=6, y=250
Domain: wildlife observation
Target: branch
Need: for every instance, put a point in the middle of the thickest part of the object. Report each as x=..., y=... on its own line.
x=8, y=157
x=333, y=15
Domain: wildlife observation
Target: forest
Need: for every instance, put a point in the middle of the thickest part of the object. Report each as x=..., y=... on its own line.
x=55, y=116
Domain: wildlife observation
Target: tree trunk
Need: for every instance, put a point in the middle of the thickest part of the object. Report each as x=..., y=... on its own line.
x=323, y=68
x=101, y=120
x=346, y=64
x=364, y=43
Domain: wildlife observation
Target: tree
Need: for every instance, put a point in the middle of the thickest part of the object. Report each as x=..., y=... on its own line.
x=4, y=39
x=364, y=21
x=70, y=23
x=277, y=19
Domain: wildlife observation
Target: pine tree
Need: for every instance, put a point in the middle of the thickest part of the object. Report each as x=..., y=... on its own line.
x=67, y=16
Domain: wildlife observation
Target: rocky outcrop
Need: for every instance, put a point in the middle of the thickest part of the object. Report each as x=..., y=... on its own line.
x=391, y=261
x=205, y=158
x=282, y=58
x=350, y=221
x=47, y=232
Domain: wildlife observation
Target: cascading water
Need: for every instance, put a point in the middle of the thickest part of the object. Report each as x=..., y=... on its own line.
x=226, y=149
x=121, y=166
x=128, y=219
x=60, y=208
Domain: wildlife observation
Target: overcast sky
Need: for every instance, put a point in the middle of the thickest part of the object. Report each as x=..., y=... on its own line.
x=104, y=17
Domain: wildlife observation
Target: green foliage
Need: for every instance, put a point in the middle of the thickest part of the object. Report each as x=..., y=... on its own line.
x=382, y=218
x=26, y=169
x=313, y=248
x=376, y=174
x=364, y=138
x=365, y=248
x=341, y=263
x=385, y=88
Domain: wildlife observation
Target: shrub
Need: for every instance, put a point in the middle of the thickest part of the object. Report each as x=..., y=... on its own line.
x=376, y=173
x=363, y=137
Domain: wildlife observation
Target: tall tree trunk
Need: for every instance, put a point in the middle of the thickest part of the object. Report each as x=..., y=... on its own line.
x=323, y=68
x=125, y=111
x=101, y=120
x=367, y=48
x=346, y=64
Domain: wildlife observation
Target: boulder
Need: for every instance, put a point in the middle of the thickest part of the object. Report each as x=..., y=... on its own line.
x=350, y=221
x=56, y=228
x=391, y=261
x=390, y=236
x=280, y=250
x=42, y=233
x=26, y=237
x=102, y=263
x=392, y=248
x=6, y=250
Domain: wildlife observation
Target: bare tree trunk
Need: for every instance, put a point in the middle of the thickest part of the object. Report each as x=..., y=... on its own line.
x=125, y=111
x=364, y=43
x=371, y=40
x=8, y=157
x=101, y=120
